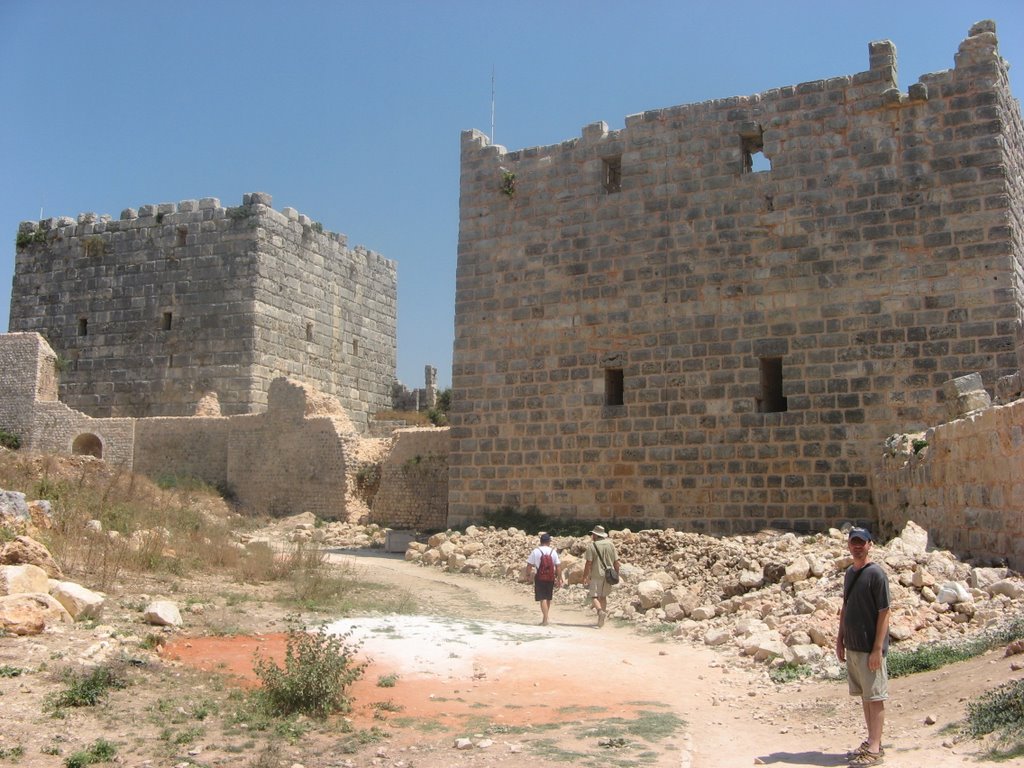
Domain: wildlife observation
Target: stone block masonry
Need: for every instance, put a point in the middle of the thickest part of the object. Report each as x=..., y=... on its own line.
x=963, y=481
x=648, y=327
x=150, y=312
x=413, y=492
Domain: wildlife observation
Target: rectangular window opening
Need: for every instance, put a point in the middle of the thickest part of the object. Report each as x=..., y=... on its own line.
x=771, y=399
x=612, y=180
x=309, y=331
x=83, y=327
x=355, y=346
x=754, y=158
x=167, y=321
x=614, y=386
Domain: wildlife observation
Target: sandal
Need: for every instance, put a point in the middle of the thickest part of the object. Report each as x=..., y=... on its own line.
x=866, y=758
x=864, y=749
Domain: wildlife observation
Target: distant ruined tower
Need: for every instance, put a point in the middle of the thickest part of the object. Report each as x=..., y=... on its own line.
x=151, y=312
x=711, y=318
x=430, y=385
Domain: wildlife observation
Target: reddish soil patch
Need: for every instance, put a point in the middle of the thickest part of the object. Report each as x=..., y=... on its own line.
x=526, y=686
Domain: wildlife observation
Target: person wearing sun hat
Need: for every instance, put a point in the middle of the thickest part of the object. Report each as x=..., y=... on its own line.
x=863, y=641
x=599, y=556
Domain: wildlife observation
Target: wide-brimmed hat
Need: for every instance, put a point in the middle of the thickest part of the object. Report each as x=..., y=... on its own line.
x=599, y=531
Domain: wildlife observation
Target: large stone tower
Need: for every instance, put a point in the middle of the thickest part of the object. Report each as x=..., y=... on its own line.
x=150, y=312
x=711, y=318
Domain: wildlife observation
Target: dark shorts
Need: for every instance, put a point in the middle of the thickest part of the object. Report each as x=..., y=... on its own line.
x=543, y=590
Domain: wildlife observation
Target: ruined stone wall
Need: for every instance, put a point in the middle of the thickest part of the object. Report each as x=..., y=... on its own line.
x=150, y=312
x=650, y=328
x=27, y=374
x=965, y=485
x=288, y=460
x=30, y=410
x=413, y=492
x=184, y=447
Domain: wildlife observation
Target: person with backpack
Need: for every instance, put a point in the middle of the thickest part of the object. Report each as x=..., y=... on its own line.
x=863, y=641
x=546, y=569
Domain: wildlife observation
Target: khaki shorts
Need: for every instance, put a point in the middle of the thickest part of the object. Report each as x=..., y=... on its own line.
x=870, y=686
x=599, y=587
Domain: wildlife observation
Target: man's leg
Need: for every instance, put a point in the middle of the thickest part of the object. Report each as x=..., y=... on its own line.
x=874, y=717
x=545, y=605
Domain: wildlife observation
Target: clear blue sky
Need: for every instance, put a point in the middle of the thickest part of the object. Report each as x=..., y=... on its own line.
x=351, y=112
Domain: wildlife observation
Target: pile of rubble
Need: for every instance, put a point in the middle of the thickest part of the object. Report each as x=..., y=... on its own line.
x=772, y=596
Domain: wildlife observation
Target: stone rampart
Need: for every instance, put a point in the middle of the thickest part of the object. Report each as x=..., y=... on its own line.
x=149, y=312
x=711, y=318
x=290, y=459
x=963, y=481
x=413, y=491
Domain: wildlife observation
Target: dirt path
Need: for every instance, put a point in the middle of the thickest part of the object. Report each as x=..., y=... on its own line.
x=478, y=666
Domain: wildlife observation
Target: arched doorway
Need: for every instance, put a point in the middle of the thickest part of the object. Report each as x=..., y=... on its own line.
x=87, y=444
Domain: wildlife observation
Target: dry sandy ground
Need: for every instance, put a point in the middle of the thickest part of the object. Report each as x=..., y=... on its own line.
x=480, y=659
x=474, y=665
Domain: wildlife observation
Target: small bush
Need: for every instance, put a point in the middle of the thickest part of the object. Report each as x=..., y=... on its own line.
x=9, y=440
x=88, y=689
x=318, y=669
x=387, y=681
x=788, y=672
x=1001, y=712
x=100, y=751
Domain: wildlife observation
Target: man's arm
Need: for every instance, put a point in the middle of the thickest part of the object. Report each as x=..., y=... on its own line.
x=881, y=632
x=840, y=645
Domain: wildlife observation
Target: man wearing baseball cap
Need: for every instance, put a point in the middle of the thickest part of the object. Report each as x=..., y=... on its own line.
x=864, y=640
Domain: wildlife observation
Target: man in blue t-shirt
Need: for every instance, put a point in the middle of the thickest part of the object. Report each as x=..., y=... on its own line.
x=864, y=640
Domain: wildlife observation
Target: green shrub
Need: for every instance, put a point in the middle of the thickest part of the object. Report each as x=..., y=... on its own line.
x=318, y=669
x=788, y=672
x=1001, y=712
x=9, y=440
x=87, y=689
x=387, y=681
x=100, y=751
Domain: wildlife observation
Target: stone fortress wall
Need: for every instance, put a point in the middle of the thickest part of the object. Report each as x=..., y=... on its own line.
x=650, y=328
x=963, y=480
x=413, y=493
x=150, y=312
x=303, y=454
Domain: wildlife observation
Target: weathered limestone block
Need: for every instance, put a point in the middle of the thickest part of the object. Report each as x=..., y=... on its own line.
x=162, y=613
x=965, y=394
x=27, y=550
x=15, y=579
x=80, y=602
x=31, y=613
